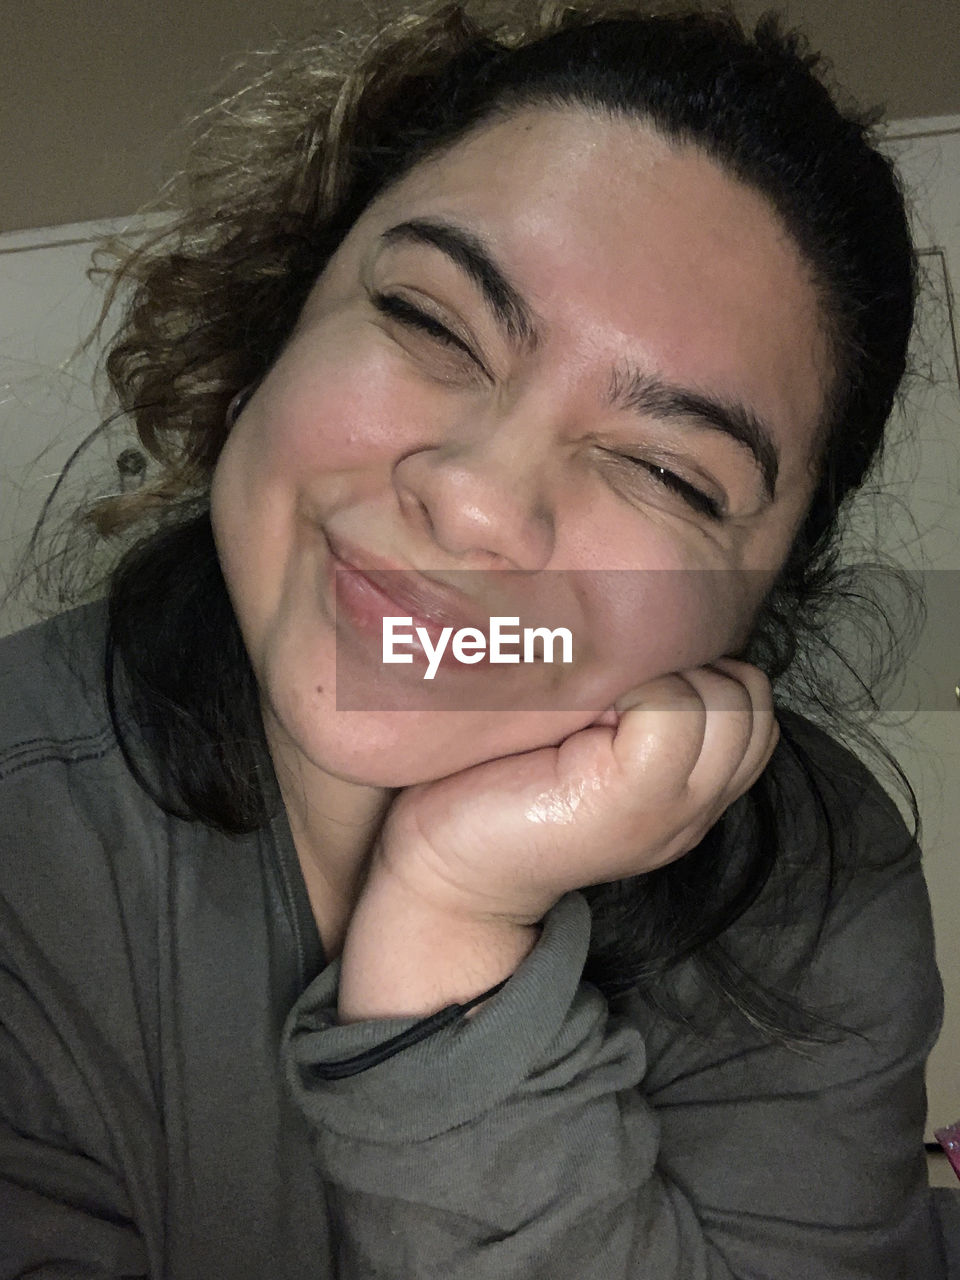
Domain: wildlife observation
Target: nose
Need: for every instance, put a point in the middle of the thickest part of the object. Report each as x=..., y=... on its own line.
x=481, y=498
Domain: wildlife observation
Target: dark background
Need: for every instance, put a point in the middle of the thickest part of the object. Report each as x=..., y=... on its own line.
x=92, y=91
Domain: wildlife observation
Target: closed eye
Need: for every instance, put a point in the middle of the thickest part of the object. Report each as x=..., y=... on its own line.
x=695, y=498
x=398, y=308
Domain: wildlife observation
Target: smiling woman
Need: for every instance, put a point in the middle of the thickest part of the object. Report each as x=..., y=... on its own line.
x=618, y=513
x=594, y=967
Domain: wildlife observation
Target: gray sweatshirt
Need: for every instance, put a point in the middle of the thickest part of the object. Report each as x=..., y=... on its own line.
x=165, y=1001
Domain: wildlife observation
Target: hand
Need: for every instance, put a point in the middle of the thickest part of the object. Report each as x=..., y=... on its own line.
x=506, y=839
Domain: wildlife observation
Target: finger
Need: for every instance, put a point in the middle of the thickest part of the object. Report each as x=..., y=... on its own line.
x=660, y=734
x=766, y=731
x=728, y=733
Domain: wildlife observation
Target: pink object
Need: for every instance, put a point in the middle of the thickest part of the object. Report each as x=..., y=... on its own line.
x=949, y=1139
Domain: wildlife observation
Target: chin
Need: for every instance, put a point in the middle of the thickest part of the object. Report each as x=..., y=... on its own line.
x=404, y=748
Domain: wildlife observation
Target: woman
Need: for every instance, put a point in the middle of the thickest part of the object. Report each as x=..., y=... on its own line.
x=585, y=968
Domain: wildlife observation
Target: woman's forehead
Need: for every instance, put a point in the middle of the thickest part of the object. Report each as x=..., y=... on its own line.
x=537, y=151
x=573, y=191
x=630, y=251
x=619, y=237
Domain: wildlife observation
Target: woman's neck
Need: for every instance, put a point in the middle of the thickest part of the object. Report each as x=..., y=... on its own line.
x=335, y=824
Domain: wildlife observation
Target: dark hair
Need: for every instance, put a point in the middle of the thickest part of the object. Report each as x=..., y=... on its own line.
x=280, y=175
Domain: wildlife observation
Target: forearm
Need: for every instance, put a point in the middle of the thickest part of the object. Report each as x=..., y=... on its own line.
x=516, y=1145
x=406, y=957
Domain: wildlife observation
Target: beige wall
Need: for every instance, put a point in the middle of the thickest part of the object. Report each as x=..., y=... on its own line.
x=91, y=91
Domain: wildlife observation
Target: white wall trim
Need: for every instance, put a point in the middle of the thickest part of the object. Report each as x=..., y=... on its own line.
x=922, y=127
x=79, y=232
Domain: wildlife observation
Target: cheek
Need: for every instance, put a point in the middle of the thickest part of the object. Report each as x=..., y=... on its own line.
x=658, y=621
x=335, y=405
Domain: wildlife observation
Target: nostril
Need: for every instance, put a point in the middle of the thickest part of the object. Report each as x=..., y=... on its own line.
x=415, y=508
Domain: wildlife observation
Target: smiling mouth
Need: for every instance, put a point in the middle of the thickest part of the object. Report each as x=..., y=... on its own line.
x=367, y=605
x=369, y=595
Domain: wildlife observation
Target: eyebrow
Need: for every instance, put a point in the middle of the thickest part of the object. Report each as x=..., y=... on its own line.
x=629, y=389
x=467, y=251
x=645, y=393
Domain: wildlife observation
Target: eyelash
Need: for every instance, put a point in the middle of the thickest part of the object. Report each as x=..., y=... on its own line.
x=695, y=498
x=403, y=311
x=398, y=308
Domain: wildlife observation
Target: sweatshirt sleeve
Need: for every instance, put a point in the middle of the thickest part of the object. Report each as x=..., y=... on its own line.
x=548, y=1138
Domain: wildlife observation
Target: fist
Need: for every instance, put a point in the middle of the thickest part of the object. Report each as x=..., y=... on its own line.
x=636, y=789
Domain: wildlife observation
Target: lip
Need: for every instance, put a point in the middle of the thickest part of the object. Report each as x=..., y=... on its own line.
x=377, y=588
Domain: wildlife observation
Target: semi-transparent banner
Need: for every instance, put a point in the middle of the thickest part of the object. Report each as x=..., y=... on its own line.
x=576, y=640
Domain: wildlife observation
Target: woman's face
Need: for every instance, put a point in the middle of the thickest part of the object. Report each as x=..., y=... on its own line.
x=566, y=372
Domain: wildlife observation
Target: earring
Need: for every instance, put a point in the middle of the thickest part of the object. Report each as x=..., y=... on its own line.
x=238, y=404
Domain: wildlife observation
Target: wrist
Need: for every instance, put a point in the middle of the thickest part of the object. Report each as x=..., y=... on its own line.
x=419, y=877
x=408, y=955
